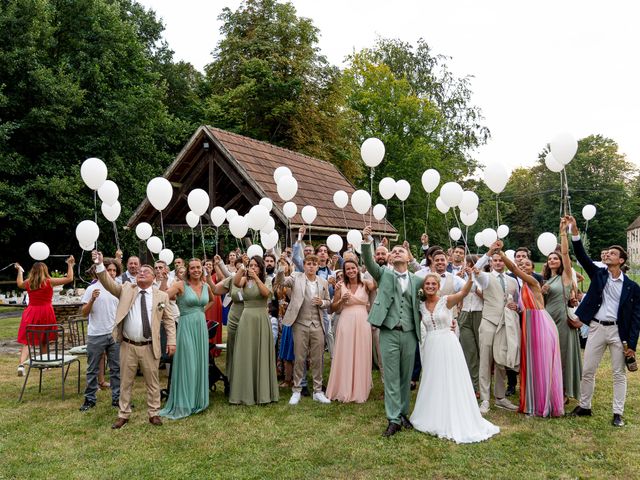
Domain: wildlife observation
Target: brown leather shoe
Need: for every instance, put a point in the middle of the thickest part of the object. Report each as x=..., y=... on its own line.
x=119, y=423
x=155, y=420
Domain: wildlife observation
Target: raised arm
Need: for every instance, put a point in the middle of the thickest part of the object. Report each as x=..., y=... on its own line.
x=107, y=282
x=525, y=277
x=19, y=279
x=69, y=278
x=297, y=250
x=240, y=278
x=456, y=298
x=581, y=255
x=367, y=255
x=567, y=276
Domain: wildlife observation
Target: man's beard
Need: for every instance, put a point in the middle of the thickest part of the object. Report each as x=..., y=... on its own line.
x=382, y=262
x=270, y=269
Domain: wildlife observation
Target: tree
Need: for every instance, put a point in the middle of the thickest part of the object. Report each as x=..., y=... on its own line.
x=268, y=81
x=77, y=80
x=405, y=98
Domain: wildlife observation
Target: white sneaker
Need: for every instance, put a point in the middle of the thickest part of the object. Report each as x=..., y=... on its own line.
x=295, y=398
x=21, y=370
x=506, y=404
x=319, y=397
x=484, y=407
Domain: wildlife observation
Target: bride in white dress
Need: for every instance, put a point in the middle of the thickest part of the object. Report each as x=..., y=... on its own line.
x=446, y=404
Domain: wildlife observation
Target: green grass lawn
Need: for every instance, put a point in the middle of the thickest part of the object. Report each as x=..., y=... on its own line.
x=45, y=437
x=9, y=328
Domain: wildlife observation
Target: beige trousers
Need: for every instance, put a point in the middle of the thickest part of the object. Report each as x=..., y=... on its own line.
x=486, y=334
x=308, y=341
x=601, y=337
x=130, y=357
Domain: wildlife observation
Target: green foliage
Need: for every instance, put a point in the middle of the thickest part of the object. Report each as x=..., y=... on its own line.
x=78, y=79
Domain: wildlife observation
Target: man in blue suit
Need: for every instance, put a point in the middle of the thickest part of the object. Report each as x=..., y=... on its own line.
x=611, y=308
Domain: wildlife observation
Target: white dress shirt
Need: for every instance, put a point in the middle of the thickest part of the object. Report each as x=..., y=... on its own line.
x=403, y=280
x=611, y=294
x=133, y=321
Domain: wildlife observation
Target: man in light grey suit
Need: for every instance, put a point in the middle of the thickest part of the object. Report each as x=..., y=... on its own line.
x=309, y=297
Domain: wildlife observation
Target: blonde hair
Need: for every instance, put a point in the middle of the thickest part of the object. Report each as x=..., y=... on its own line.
x=432, y=275
x=38, y=276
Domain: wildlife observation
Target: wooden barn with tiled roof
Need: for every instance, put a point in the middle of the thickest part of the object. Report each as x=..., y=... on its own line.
x=237, y=172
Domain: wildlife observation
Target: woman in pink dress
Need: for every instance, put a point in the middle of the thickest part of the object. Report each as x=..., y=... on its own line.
x=39, y=285
x=541, y=391
x=350, y=377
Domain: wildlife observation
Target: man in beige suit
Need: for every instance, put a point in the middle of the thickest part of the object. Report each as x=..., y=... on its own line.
x=309, y=296
x=499, y=291
x=142, y=308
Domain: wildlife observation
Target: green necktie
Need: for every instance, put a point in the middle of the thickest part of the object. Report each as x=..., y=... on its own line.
x=502, y=284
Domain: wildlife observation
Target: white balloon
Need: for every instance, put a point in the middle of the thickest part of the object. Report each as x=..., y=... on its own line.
x=269, y=240
x=166, y=256
x=379, y=211
x=232, y=212
x=154, y=244
x=238, y=226
x=159, y=192
x=496, y=177
x=552, y=164
x=289, y=209
x=469, y=202
x=192, y=220
x=441, y=206
x=451, y=194
x=469, y=218
x=309, y=214
x=489, y=235
x=334, y=242
x=255, y=251
x=218, y=216
x=511, y=255
x=280, y=172
x=269, y=226
x=287, y=187
x=478, y=239
x=455, y=233
x=361, y=201
x=354, y=237
x=39, y=251
x=143, y=230
x=198, y=201
x=88, y=248
x=588, y=212
x=93, y=172
x=111, y=212
x=266, y=203
x=358, y=248
x=341, y=198
x=502, y=231
x=387, y=187
x=564, y=147
x=257, y=217
x=547, y=243
x=430, y=180
x=87, y=232
x=108, y=192
x=372, y=152
x=403, y=189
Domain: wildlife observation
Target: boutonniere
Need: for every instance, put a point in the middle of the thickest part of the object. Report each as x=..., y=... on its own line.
x=161, y=306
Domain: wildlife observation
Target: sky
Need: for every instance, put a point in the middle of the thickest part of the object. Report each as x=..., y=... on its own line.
x=539, y=68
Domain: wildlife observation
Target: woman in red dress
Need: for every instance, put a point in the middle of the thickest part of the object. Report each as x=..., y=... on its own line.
x=39, y=285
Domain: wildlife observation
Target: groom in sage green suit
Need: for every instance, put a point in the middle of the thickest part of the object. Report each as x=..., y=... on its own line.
x=396, y=313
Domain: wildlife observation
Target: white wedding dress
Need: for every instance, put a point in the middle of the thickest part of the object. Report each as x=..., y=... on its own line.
x=446, y=405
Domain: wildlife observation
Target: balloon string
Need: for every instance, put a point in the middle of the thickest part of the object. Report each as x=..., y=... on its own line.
x=371, y=193
x=193, y=244
x=404, y=221
x=426, y=225
x=204, y=252
x=466, y=235
x=164, y=244
x=217, y=228
x=80, y=263
x=95, y=211
x=386, y=207
x=346, y=225
x=464, y=239
x=446, y=220
x=566, y=186
x=4, y=268
x=497, y=211
x=115, y=232
x=310, y=234
x=561, y=192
